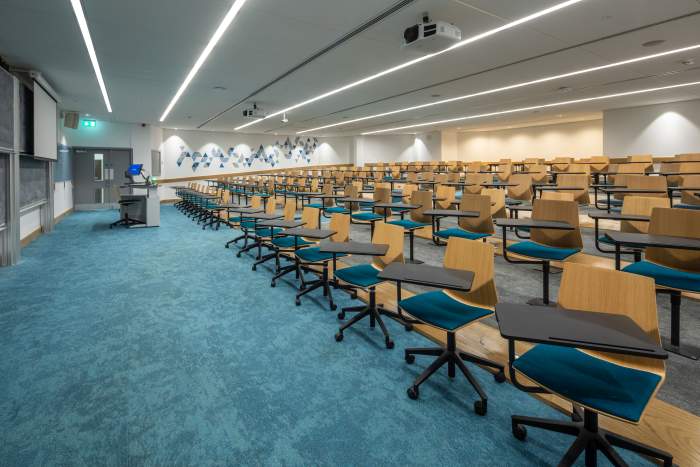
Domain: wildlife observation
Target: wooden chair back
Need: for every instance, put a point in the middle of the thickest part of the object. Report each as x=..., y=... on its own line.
x=310, y=218
x=270, y=206
x=427, y=176
x=475, y=166
x=424, y=199
x=481, y=204
x=642, y=206
x=407, y=189
x=381, y=195
x=560, y=196
x=505, y=171
x=477, y=257
x=475, y=180
x=690, y=181
x=523, y=190
x=446, y=192
x=688, y=157
x=498, y=202
x=561, y=164
x=441, y=178
x=256, y=202
x=314, y=184
x=599, y=163
x=554, y=210
x=571, y=180
x=646, y=161
x=598, y=290
x=392, y=235
x=412, y=177
x=646, y=182
x=340, y=223
x=290, y=209
x=539, y=174
x=679, y=223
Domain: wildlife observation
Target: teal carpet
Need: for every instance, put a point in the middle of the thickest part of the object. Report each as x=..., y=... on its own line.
x=160, y=347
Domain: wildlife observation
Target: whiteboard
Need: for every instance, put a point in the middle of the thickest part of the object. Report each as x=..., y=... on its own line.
x=45, y=124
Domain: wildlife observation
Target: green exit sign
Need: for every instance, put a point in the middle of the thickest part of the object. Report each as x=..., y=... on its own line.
x=89, y=123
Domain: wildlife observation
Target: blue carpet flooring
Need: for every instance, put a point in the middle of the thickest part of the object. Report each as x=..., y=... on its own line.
x=159, y=347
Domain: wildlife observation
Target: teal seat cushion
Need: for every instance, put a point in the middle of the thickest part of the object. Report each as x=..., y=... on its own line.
x=537, y=250
x=439, y=309
x=615, y=202
x=590, y=381
x=248, y=225
x=265, y=231
x=337, y=210
x=686, y=206
x=362, y=275
x=367, y=216
x=461, y=233
x=408, y=224
x=314, y=255
x=288, y=242
x=315, y=205
x=665, y=276
x=605, y=239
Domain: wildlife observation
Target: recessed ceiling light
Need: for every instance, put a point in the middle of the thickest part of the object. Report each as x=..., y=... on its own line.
x=653, y=43
x=435, y=95
x=688, y=62
x=228, y=19
x=510, y=87
x=415, y=61
x=82, y=22
x=544, y=106
x=564, y=89
x=219, y=88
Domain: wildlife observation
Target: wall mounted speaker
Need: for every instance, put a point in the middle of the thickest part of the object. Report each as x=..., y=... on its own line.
x=71, y=119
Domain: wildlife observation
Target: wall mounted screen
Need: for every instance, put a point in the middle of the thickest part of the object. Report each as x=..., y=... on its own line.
x=6, y=104
x=33, y=182
x=45, y=124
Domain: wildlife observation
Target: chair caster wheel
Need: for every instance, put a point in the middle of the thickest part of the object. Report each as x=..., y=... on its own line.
x=273, y=284
x=302, y=288
x=480, y=407
x=255, y=268
x=226, y=246
x=500, y=377
x=410, y=358
x=389, y=343
x=519, y=432
x=238, y=255
x=334, y=307
x=341, y=315
x=413, y=392
x=408, y=327
x=297, y=302
x=339, y=337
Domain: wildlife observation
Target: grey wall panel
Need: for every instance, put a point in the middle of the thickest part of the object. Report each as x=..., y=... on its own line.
x=33, y=182
x=63, y=169
x=6, y=110
x=3, y=188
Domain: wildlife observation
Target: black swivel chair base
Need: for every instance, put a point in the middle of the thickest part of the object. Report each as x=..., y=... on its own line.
x=589, y=439
x=453, y=358
x=307, y=287
x=370, y=310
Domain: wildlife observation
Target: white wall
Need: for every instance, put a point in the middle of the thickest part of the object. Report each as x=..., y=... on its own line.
x=394, y=148
x=62, y=197
x=29, y=222
x=661, y=130
x=578, y=139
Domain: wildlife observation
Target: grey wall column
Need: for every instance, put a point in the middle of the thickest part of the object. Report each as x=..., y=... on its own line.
x=10, y=242
x=47, y=221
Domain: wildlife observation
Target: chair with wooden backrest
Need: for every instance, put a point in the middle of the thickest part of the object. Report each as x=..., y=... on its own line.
x=689, y=200
x=427, y=176
x=561, y=164
x=599, y=163
x=449, y=311
x=417, y=220
x=622, y=171
x=529, y=161
x=381, y=195
x=475, y=166
x=441, y=178
x=474, y=182
x=498, y=202
x=471, y=228
x=445, y=195
x=523, y=189
x=575, y=375
x=563, y=196
x=505, y=171
x=407, y=189
x=646, y=160
x=546, y=245
x=453, y=176
x=364, y=276
x=412, y=177
x=309, y=259
x=632, y=205
x=538, y=173
x=570, y=180
x=674, y=271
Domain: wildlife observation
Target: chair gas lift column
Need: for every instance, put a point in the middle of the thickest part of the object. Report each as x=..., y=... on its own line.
x=600, y=351
x=418, y=219
x=554, y=236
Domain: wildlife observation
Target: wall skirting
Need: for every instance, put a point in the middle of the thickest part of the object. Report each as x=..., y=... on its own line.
x=31, y=237
x=62, y=216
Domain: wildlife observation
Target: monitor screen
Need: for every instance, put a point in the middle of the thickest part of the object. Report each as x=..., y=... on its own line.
x=135, y=169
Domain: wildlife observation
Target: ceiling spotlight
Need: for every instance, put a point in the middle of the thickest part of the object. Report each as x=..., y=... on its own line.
x=688, y=62
x=219, y=88
x=653, y=43
x=284, y=118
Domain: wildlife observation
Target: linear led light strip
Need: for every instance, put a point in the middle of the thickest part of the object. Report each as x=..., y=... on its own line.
x=228, y=19
x=462, y=43
x=534, y=107
x=82, y=22
x=504, y=88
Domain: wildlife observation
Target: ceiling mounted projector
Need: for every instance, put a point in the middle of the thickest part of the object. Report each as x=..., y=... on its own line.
x=431, y=36
x=254, y=112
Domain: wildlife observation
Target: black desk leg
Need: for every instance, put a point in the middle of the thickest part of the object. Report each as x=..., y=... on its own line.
x=675, y=345
x=617, y=256
x=608, y=201
x=544, y=301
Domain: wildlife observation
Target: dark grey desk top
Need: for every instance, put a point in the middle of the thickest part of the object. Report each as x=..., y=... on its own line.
x=434, y=276
x=310, y=194
x=679, y=173
x=327, y=196
x=450, y=213
x=607, y=185
x=631, y=190
x=355, y=200
x=309, y=233
x=520, y=207
x=281, y=223
x=498, y=184
x=231, y=207
x=594, y=331
x=243, y=210
x=684, y=188
x=396, y=205
x=616, y=216
x=263, y=216
x=354, y=248
x=663, y=241
x=557, y=188
x=534, y=224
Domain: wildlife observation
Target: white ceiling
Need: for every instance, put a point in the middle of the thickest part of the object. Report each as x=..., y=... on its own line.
x=146, y=48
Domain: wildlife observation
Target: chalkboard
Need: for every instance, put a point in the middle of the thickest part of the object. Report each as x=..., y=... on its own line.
x=33, y=181
x=3, y=188
x=63, y=168
x=6, y=115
